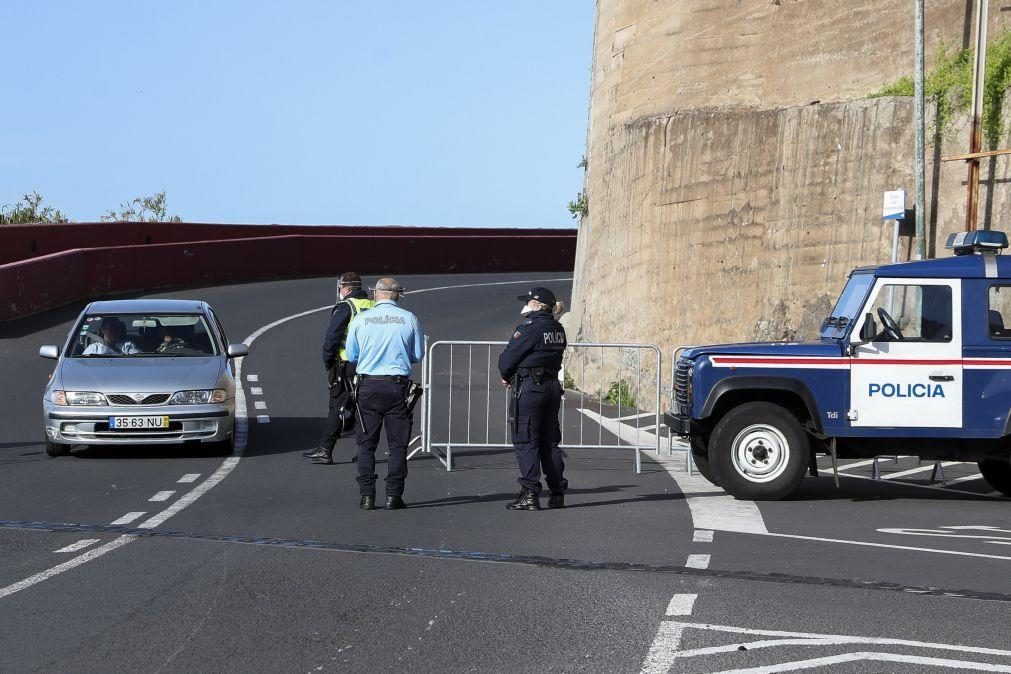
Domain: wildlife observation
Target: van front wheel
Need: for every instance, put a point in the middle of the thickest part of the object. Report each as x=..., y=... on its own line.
x=759, y=451
x=997, y=473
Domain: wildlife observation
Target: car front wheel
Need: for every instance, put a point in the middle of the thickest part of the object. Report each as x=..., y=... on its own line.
x=758, y=451
x=56, y=448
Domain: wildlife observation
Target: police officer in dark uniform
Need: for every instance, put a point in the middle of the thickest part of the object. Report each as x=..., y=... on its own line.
x=529, y=367
x=351, y=301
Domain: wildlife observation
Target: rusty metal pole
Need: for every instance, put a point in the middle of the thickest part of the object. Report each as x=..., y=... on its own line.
x=920, y=177
x=976, y=126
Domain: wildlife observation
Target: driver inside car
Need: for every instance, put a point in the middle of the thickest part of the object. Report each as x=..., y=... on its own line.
x=172, y=339
x=112, y=332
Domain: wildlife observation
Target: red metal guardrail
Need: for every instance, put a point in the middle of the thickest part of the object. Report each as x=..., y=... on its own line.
x=40, y=283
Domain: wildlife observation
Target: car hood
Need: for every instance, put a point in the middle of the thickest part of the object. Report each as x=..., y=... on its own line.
x=817, y=347
x=148, y=375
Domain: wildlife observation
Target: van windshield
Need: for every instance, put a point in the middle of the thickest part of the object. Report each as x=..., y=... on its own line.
x=846, y=308
x=135, y=335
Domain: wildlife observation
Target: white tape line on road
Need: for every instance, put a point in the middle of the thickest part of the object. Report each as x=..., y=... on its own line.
x=189, y=477
x=161, y=496
x=702, y=536
x=827, y=661
x=79, y=545
x=697, y=562
x=127, y=518
x=918, y=469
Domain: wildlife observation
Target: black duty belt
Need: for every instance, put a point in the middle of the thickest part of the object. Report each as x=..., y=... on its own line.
x=538, y=374
x=398, y=378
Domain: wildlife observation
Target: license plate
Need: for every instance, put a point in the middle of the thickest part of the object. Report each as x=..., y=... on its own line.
x=137, y=423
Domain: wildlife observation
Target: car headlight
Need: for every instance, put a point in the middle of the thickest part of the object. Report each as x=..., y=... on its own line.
x=82, y=398
x=198, y=397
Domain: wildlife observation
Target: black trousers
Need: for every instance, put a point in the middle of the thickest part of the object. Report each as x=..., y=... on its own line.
x=383, y=403
x=536, y=435
x=340, y=397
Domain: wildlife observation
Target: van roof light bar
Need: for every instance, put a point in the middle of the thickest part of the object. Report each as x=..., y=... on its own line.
x=979, y=241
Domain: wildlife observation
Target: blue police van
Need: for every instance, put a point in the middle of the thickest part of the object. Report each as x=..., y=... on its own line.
x=915, y=359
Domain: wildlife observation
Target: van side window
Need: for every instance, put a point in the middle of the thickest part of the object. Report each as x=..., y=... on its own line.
x=922, y=312
x=998, y=313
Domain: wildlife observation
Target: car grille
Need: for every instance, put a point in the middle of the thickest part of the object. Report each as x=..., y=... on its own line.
x=126, y=399
x=682, y=401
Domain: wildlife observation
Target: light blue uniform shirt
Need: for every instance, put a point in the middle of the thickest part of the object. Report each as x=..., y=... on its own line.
x=385, y=340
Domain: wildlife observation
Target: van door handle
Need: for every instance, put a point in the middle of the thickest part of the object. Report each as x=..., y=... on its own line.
x=942, y=377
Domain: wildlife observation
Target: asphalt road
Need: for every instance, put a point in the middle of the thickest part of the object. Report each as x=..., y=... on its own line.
x=263, y=562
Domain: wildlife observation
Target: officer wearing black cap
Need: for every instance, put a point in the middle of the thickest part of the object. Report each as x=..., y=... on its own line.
x=529, y=366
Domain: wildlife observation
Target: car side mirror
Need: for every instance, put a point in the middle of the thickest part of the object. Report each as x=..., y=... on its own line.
x=50, y=351
x=868, y=330
x=237, y=350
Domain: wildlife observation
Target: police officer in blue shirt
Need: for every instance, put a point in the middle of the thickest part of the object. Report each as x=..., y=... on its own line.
x=529, y=366
x=383, y=342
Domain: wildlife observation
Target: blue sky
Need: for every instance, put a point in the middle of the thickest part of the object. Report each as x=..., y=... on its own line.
x=450, y=113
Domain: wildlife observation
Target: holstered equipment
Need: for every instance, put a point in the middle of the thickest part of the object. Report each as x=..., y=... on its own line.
x=516, y=384
x=414, y=392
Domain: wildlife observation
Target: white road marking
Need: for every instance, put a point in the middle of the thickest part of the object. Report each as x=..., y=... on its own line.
x=918, y=469
x=829, y=638
x=226, y=467
x=189, y=477
x=868, y=656
x=262, y=418
x=260, y=405
x=967, y=478
x=702, y=536
x=252, y=377
x=127, y=518
x=162, y=496
x=79, y=545
x=663, y=650
x=65, y=566
x=869, y=544
x=937, y=487
x=256, y=390
x=697, y=562
x=681, y=604
x=711, y=507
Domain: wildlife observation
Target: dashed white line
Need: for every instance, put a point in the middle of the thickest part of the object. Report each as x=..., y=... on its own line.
x=162, y=496
x=262, y=418
x=189, y=477
x=256, y=390
x=681, y=604
x=260, y=405
x=127, y=518
x=79, y=545
x=697, y=562
x=967, y=478
x=252, y=377
x=702, y=536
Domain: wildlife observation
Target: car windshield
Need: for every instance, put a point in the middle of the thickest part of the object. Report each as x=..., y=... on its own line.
x=852, y=298
x=142, y=335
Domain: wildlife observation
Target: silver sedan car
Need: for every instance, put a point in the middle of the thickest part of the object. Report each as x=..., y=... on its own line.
x=142, y=372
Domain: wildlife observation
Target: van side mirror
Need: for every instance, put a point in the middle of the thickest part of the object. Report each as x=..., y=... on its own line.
x=237, y=350
x=868, y=330
x=50, y=351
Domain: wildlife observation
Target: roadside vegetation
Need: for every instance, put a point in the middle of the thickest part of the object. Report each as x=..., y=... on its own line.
x=30, y=210
x=949, y=85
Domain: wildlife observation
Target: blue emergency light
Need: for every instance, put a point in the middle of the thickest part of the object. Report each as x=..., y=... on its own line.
x=966, y=243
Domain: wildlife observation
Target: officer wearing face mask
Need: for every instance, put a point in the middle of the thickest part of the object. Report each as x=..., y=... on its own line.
x=529, y=366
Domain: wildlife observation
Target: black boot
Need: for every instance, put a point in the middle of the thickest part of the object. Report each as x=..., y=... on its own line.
x=527, y=500
x=367, y=503
x=309, y=452
x=395, y=503
x=556, y=500
x=322, y=455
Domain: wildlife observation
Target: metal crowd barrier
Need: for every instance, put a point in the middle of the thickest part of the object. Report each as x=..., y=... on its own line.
x=471, y=395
